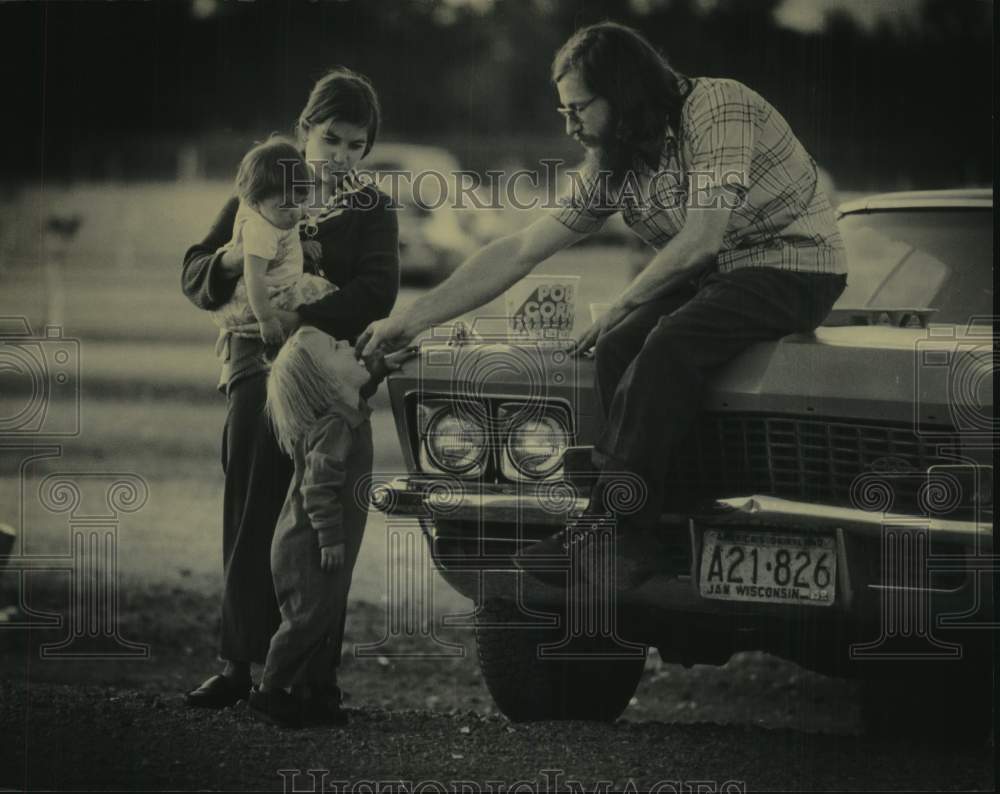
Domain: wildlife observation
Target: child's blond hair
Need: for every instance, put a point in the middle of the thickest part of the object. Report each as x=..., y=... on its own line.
x=299, y=390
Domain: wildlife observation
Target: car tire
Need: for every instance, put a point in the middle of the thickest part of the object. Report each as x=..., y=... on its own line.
x=527, y=688
x=958, y=708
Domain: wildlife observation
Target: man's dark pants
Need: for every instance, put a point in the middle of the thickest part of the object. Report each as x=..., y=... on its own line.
x=651, y=367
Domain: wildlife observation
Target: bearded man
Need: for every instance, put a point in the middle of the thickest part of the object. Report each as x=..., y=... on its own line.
x=708, y=173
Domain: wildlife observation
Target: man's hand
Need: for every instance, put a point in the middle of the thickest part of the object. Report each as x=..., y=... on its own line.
x=231, y=260
x=612, y=317
x=379, y=366
x=384, y=337
x=271, y=331
x=331, y=558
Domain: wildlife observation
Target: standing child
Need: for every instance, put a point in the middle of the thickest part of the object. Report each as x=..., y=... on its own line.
x=267, y=225
x=321, y=421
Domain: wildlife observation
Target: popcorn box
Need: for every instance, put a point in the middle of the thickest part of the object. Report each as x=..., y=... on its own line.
x=542, y=307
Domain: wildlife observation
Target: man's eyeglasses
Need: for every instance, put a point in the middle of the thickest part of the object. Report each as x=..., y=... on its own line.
x=572, y=111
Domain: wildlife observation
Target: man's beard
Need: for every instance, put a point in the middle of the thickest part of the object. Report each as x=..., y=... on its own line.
x=611, y=157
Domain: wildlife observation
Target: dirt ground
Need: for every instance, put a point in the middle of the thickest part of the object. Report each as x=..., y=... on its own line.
x=123, y=725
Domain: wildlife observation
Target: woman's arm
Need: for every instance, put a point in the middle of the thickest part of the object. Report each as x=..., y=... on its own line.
x=482, y=277
x=372, y=292
x=207, y=283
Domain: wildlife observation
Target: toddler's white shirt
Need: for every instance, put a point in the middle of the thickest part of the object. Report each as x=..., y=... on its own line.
x=281, y=247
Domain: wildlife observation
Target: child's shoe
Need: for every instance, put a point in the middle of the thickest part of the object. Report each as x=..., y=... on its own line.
x=324, y=708
x=276, y=707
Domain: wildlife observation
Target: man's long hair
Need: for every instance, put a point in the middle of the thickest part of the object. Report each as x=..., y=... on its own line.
x=620, y=65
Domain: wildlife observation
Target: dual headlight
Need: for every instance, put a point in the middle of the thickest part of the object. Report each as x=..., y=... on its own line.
x=456, y=438
x=453, y=443
x=534, y=446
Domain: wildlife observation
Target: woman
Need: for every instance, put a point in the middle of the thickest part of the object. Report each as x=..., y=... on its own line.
x=351, y=238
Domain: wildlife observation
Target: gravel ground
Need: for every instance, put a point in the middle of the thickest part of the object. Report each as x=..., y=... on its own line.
x=759, y=722
x=125, y=739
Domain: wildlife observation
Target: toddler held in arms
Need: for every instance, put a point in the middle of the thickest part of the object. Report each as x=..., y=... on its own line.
x=267, y=228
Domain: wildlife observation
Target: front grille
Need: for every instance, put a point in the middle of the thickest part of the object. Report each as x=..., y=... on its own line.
x=807, y=460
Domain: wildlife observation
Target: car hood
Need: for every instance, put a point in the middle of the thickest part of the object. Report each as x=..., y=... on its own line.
x=864, y=373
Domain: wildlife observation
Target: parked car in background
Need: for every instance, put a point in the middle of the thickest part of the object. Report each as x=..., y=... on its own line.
x=842, y=484
x=443, y=219
x=421, y=181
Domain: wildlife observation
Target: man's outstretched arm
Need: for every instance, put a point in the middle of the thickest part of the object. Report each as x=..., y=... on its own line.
x=482, y=277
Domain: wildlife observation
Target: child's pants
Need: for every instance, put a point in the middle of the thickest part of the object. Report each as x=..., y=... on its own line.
x=313, y=602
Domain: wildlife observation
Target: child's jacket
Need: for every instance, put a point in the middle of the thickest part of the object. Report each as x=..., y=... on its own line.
x=330, y=460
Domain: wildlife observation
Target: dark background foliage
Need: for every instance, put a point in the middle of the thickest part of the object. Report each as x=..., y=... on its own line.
x=115, y=90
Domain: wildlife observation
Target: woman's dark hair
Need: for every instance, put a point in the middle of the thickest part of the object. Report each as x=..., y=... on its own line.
x=270, y=169
x=620, y=65
x=343, y=95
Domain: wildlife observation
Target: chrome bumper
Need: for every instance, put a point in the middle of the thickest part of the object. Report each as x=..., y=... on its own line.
x=771, y=511
x=454, y=500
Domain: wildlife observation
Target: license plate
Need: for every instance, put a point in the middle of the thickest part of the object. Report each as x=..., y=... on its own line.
x=768, y=568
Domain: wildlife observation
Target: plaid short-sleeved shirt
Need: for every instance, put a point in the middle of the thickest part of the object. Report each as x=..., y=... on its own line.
x=733, y=138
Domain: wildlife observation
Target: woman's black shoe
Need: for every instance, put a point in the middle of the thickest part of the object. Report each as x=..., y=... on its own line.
x=218, y=692
x=276, y=707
